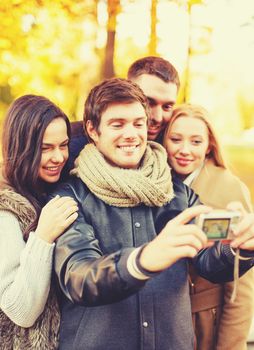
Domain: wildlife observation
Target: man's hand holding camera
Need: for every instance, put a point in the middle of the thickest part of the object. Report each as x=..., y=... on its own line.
x=179, y=239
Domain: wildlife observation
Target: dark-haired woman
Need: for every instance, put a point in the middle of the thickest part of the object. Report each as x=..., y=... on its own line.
x=35, y=150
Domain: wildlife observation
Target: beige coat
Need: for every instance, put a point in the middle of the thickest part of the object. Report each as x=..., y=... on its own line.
x=217, y=187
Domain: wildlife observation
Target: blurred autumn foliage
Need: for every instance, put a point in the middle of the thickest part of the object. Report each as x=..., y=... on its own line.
x=43, y=49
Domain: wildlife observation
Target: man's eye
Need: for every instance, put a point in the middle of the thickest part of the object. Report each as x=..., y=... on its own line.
x=151, y=102
x=175, y=139
x=167, y=107
x=140, y=124
x=116, y=125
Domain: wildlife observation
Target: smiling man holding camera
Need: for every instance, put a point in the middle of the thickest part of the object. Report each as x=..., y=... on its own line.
x=122, y=266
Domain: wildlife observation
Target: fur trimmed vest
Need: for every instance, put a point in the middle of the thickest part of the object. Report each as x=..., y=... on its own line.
x=43, y=335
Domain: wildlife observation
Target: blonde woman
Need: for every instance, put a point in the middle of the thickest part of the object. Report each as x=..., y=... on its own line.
x=196, y=157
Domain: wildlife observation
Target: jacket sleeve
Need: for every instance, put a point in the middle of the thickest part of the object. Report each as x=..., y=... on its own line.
x=77, y=142
x=85, y=275
x=216, y=263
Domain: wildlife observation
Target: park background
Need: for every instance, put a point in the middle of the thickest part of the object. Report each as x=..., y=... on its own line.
x=62, y=48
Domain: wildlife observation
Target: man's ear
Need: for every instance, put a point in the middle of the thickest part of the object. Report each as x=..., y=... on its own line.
x=91, y=131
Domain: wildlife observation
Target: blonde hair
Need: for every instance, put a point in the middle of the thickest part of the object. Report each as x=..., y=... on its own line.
x=196, y=111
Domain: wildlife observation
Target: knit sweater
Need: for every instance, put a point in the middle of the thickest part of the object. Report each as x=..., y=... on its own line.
x=25, y=272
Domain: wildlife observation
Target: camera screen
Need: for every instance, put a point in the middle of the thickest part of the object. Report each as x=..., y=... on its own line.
x=216, y=228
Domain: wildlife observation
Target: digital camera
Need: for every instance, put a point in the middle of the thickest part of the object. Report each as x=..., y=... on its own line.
x=218, y=224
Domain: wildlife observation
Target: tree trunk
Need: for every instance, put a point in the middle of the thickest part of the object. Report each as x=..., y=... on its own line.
x=108, y=67
x=153, y=36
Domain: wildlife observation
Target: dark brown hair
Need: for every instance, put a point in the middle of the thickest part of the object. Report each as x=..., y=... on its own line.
x=157, y=66
x=25, y=123
x=111, y=91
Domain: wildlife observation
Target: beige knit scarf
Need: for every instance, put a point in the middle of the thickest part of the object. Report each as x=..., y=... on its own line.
x=150, y=184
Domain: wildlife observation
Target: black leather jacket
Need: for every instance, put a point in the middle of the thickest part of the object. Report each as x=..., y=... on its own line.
x=103, y=306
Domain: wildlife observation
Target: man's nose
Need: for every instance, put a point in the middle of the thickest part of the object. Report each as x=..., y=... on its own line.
x=130, y=132
x=157, y=114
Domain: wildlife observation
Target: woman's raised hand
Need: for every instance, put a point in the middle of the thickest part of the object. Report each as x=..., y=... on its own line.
x=56, y=216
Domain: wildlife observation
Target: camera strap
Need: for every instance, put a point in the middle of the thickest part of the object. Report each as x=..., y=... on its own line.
x=236, y=275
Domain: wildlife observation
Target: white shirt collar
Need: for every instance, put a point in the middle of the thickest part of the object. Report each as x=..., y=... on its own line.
x=190, y=178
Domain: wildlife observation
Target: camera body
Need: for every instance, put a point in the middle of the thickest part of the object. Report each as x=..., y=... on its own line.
x=218, y=224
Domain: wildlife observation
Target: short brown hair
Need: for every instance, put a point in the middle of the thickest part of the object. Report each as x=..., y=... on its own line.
x=157, y=66
x=114, y=90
